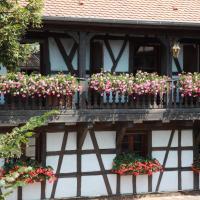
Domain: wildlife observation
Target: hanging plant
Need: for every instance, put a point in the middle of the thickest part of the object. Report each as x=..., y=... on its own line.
x=189, y=84
x=142, y=83
x=131, y=164
x=21, y=172
x=11, y=143
x=196, y=166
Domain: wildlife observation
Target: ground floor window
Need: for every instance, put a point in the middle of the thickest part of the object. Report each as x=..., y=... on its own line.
x=136, y=143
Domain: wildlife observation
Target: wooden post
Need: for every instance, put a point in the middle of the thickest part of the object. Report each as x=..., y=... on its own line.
x=46, y=69
x=166, y=58
x=82, y=68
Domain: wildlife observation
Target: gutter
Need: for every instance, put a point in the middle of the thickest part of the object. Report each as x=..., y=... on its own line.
x=119, y=22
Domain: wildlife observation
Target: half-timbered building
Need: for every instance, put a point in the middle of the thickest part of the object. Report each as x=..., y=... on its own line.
x=82, y=37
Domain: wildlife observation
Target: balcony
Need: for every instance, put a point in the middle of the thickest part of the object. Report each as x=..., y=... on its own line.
x=90, y=106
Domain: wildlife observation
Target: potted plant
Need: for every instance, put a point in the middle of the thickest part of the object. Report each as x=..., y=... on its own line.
x=196, y=166
x=131, y=164
x=22, y=171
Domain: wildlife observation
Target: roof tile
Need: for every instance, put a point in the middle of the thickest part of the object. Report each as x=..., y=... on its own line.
x=143, y=10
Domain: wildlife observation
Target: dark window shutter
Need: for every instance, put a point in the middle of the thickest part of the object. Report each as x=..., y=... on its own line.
x=190, y=58
x=96, y=55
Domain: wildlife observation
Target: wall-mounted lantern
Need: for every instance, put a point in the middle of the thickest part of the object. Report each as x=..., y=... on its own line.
x=176, y=49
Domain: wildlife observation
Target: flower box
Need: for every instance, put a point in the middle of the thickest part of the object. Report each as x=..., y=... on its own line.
x=130, y=164
x=142, y=83
x=189, y=84
x=37, y=85
x=38, y=91
x=196, y=166
x=21, y=172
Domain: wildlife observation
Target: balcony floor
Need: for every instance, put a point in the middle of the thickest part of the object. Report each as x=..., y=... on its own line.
x=14, y=117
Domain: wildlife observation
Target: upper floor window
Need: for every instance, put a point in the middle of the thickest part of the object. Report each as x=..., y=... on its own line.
x=33, y=62
x=147, y=58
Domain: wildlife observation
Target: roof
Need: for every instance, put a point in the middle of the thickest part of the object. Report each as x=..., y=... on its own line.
x=128, y=11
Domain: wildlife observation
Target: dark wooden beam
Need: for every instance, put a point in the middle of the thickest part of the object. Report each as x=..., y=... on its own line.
x=165, y=160
x=45, y=59
x=166, y=56
x=82, y=67
x=66, y=58
x=96, y=148
x=60, y=160
x=82, y=132
x=119, y=55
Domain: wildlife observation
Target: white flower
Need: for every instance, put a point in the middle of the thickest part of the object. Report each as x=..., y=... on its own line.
x=15, y=175
x=9, y=179
x=2, y=183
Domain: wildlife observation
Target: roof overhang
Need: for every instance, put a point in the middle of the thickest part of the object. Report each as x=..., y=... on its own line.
x=117, y=22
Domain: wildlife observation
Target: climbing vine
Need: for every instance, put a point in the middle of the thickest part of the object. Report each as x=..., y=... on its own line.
x=11, y=143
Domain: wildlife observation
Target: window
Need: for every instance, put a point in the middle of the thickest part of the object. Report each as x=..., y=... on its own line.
x=33, y=62
x=96, y=52
x=191, y=54
x=147, y=58
x=135, y=143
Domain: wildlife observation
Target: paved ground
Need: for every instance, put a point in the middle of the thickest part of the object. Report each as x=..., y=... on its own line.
x=195, y=196
x=187, y=197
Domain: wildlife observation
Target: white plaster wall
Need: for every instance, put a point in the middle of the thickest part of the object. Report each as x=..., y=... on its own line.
x=123, y=63
x=126, y=186
x=48, y=189
x=142, y=184
x=66, y=187
x=93, y=186
x=54, y=141
x=112, y=178
x=172, y=160
x=56, y=60
x=161, y=138
x=68, y=44
x=69, y=164
x=87, y=144
x=52, y=161
x=71, y=141
x=89, y=163
x=187, y=180
x=108, y=160
x=106, y=139
x=186, y=138
x=169, y=181
x=186, y=158
x=31, y=192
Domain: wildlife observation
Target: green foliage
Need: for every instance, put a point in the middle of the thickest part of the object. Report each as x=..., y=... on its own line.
x=15, y=19
x=21, y=172
x=127, y=158
x=11, y=143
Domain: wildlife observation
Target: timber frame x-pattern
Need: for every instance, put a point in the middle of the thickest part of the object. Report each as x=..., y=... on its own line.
x=132, y=40
x=82, y=129
x=68, y=58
